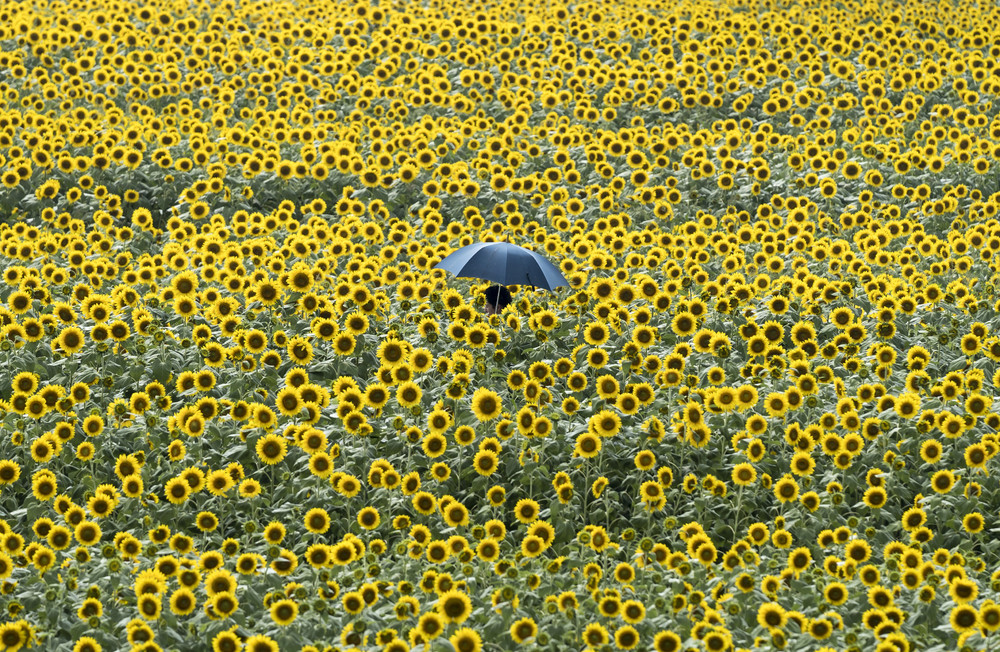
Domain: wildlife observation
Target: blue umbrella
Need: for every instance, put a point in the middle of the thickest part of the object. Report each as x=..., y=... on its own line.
x=503, y=263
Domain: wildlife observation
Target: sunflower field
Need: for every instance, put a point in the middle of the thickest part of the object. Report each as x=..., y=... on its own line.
x=241, y=411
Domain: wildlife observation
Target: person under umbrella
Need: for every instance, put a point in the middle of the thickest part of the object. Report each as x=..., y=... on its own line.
x=497, y=298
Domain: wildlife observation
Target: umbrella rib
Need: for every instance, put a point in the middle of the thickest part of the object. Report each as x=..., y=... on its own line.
x=506, y=264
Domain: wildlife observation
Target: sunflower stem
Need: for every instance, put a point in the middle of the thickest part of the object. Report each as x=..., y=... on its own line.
x=739, y=508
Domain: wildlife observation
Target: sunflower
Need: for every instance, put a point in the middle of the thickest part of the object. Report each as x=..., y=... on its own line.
x=523, y=630
x=963, y=618
x=786, y=489
x=516, y=379
x=989, y=617
x=942, y=481
x=149, y=606
x=83, y=644
x=288, y=401
x=408, y=394
x=605, y=424
x=931, y=451
x=609, y=606
x=454, y=606
x=596, y=333
x=466, y=640
x=776, y=404
x=976, y=456
x=973, y=522
x=526, y=510
x=206, y=521
x=260, y=643
x=744, y=474
x=263, y=417
x=434, y=445
x=317, y=520
x=271, y=449
x=802, y=463
x=913, y=518
x=219, y=482
x=588, y=445
x=820, y=628
x=348, y=486
x=683, y=324
x=496, y=495
x=666, y=641
x=858, y=551
x=10, y=471
x=835, y=593
x=431, y=625
x=318, y=555
x=177, y=490
x=222, y=605
x=274, y=532
x=597, y=358
x=485, y=462
x=25, y=383
x=183, y=602
x=392, y=352
x=284, y=612
x=875, y=497
x=486, y=404
x=798, y=560
x=369, y=518
x=455, y=514
x=488, y=549
x=300, y=350
x=93, y=425
x=376, y=396
x=249, y=488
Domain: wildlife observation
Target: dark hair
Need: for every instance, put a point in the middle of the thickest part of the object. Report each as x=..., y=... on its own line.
x=498, y=296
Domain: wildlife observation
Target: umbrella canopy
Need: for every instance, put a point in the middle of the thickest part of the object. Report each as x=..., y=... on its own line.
x=503, y=263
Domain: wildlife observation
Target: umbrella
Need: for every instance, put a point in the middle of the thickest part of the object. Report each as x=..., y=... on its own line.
x=503, y=263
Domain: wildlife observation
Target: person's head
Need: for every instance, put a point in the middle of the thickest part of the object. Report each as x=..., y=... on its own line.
x=497, y=298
